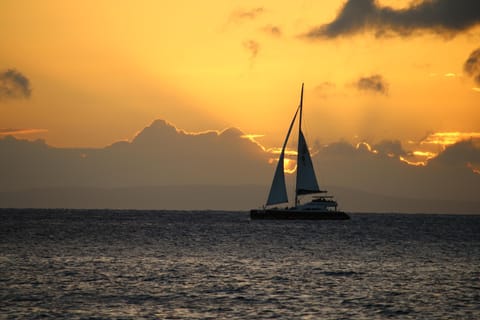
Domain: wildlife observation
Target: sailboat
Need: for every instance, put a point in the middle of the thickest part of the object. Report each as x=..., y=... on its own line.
x=321, y=205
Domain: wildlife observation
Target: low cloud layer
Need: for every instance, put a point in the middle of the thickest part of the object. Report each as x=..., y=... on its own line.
x=374, y=83
x=169, y=160
x=445, y=17
x=472, y=66
x=14, y=85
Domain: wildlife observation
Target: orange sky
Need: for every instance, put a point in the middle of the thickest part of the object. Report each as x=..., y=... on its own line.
x=99, y=71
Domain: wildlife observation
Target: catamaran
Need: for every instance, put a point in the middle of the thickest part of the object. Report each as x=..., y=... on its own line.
x=321, y=205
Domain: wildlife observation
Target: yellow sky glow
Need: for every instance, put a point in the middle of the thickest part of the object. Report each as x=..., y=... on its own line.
x=102, y=70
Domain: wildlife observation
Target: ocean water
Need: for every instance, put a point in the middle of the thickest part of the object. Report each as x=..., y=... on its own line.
x=95, y=264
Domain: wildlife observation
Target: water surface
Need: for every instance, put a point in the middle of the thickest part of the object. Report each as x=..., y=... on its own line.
x=158, y=264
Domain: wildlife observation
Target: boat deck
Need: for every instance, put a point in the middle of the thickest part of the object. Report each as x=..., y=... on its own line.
x=292, y=214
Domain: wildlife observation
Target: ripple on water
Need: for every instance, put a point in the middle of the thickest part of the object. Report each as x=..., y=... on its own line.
x=130, y=265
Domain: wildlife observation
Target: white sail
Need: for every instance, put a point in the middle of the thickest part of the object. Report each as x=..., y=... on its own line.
x=306, y=179
x=278, y=190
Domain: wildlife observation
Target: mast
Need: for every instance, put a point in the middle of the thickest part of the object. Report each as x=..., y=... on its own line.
x=300, y=107
x=306, y=180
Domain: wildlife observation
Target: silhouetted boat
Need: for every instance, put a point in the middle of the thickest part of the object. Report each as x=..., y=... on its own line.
x=320, y=207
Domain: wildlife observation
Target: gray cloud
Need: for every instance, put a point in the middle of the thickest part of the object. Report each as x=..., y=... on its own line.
x=14, y=84
x=446, y=17
x=160, y=154
x=324, y=89
x=253, y=47
x=272, y=30
x=390, y=147
x=219, y=169
x=251, y=14
x=460, y=153
x=374, y=83
x=472, y=65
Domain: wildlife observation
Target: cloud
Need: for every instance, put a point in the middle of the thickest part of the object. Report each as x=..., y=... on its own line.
x=272, y=30
x=14, y=85
x=324, y=89
x=240, y=15
x=325, y=85
x=253, y=47
x=449, y=138
x=182, y=166
x=15, y=131
x=160, y=154
x=374, y=83
x=472, y=65
x=446, y=17
x=390, y=148
x=461, y=153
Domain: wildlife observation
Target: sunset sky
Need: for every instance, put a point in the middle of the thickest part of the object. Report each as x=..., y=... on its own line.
x=89, y=73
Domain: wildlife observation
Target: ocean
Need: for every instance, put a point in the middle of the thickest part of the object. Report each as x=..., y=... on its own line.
x=109, y=264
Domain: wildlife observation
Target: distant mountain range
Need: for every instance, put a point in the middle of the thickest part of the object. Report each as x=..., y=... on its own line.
x=167, y=168
x=199, y=197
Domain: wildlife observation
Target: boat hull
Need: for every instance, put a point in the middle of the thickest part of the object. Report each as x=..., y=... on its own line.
x=289, y=214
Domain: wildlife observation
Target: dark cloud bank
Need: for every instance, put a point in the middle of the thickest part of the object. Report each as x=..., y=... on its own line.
x=14, y=85
x=166, y=168
x=445, y=17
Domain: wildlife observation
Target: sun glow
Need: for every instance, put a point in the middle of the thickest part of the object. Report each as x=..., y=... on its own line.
x=252, y=136
x=366, y=146
x=425, y=156
x=413, y=163
x=289, y=165
x=288, y=152
x=450, y=75
x=449, y=138
x=434, y=143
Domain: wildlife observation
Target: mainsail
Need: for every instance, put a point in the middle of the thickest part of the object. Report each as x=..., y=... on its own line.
x=306, y=179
